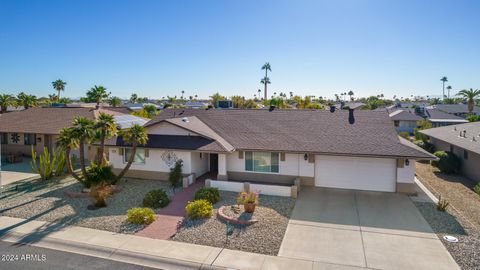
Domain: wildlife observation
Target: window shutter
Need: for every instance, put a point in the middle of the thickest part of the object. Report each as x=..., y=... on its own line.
x=120, y=151
x=240, y=154
x=147, y=152
x=311, y=158
x=282, y=156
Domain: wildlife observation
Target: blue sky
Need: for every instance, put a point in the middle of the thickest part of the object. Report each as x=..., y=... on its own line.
x=158, y=48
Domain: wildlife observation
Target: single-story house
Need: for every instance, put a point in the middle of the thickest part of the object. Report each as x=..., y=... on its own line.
x=457, y=109
x=464, y=141
x=40, y=127
x=344, y=149
x=440, y=119
x=404, y=120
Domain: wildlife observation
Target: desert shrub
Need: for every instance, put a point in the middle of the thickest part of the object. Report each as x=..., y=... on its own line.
x=404, y=135
x=208, y=193
x=477, y=189
x=247, y=197
x=139, y=215
x=48, y=165
x=199, y=209
x=100, y=193
x=175, y=175
x=97, y=173
x=442, y=205
x=427, y=146
x=156, y=198
x=447, y=162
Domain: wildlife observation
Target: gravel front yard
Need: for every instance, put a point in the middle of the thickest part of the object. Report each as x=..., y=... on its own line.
x=462, y=218
x=264, y=237
x=46, y=201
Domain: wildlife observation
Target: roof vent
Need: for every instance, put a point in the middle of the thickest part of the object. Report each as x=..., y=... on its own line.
x=455, y=128
x=351, y=117
x=474, y=139
x=185, y=119
x=332, y=108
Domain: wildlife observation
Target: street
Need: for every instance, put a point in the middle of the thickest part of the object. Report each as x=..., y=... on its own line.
x=22, y=257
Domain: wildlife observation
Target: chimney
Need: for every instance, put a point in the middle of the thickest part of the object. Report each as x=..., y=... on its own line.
x=351, y=117
x=332, y=108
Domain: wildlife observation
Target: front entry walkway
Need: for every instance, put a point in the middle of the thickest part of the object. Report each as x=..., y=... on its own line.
x=170, y=217
x=362, y=229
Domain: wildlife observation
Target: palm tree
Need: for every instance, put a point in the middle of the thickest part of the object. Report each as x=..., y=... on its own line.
x=135, y=135
x=470, y=95
x=5, y=101
x=115, y=101
x=98, y=93
x=67, y=141
x=133, y=98
x=183, y=92
x=350, y=93
x=444, y=79
x=82, y=131
x=448, y=89
x=26, y=100
x=59, y=85
x=266, y=80
x=259, y=93
x=106, y=128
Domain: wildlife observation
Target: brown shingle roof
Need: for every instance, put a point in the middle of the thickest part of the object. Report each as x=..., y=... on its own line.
x=323, y=132
x=47, y=120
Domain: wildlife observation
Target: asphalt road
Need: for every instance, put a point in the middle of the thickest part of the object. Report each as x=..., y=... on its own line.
x=13, y=257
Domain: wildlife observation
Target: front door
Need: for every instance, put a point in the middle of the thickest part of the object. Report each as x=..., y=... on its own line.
x=214, y=163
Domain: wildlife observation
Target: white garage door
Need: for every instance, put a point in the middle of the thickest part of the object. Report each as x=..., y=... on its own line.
x=361, y=173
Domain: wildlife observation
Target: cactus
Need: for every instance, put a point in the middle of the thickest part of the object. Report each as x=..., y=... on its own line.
x=48, y=165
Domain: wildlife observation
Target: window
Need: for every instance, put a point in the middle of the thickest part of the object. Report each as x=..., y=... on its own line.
x=465, y=154
x=261, y=162
x=396, y=123
x=4, y=138
x=139, y=156
x=30, y=139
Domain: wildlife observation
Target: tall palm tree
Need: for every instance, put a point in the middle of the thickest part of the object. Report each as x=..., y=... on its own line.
x=350, y=93
x=259, y=93
x=448, y=89
x=444, y=79
x=470, y=95
x=106, y=128
x=98, y=93
x=59, y=85
x=82, y=131
x=183, y=92
x=266, y=80
x=67, y=140
x=5, y=101
x=133, y=98
x=135, y=135
x=26, y=100
x=115, y=101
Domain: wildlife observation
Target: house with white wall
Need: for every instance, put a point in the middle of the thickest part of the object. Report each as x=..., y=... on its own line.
x=344, y=149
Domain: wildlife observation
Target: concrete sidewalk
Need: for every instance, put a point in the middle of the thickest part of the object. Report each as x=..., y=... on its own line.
x=162, y=254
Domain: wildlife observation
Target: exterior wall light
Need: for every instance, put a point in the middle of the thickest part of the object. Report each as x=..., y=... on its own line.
x=407, y=162
x=305, y=157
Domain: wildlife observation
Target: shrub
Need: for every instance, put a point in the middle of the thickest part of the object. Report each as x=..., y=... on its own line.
x=97, y=173
x=156, y=198
x=208, y=193
x=247, y=197
x=141, y=215
x=199, y=209
x=447, y=163
x=477, y=189
x=100, y=193
x=442, y=204
x=404, y=135
x=427, y=146
x=175, y=175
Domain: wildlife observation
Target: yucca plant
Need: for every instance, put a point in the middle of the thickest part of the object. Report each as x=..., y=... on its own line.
x=442, y=204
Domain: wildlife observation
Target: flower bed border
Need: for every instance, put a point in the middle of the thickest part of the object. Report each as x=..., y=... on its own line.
x=236, y=221
x=75, y=194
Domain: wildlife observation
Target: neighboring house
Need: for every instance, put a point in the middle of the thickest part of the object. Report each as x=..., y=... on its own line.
x=196, y=105
x=138, y=106
x=464, y=141
x=39, y=127
x=440, y=119
x=345, y=149
x=404, y=120
x=457, y=109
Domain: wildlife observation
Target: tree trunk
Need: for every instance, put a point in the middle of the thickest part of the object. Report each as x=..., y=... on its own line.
x=130, y=161
x=265, y=91
x=58, y=96
x=471, y=104
x=82, y=159
x=101, y=159
x=70, y=167
x=443, y=97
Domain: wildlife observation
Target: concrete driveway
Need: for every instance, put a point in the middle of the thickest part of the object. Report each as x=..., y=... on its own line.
x=362, y=230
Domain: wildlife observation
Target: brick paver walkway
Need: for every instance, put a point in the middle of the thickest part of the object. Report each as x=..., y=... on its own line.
x=170, y=217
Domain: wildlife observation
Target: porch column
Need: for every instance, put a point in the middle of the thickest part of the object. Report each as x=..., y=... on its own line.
x=222, y=167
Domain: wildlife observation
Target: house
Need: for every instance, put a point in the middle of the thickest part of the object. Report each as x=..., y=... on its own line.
x=457, y=109
x=464, y=141
x=196, y=104
x=404, y=120
x=439, y=118
x=344, y=149
x=39, y=127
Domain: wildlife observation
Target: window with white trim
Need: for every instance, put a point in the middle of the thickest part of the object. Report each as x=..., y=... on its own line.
x=139, y=156
x=262, y=162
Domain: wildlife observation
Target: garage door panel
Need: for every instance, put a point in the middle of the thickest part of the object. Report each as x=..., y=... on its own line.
x=355, y=173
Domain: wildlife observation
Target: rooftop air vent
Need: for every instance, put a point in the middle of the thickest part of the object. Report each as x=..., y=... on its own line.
x=185, y=119
x=332, y=108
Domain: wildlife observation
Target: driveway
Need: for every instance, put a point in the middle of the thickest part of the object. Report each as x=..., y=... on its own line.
x=362, y=229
